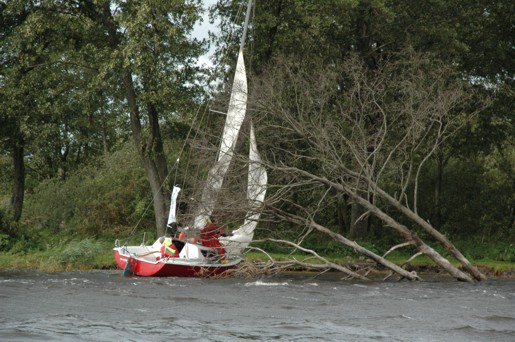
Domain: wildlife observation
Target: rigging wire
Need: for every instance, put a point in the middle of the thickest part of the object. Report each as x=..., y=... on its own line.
x=203, y=116
x=198, y=118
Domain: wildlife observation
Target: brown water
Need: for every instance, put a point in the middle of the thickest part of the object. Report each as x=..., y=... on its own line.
x=104, y=306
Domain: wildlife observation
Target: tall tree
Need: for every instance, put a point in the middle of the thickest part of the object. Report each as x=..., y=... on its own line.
x=154, y=59
x=76, y=61
x=15, y=98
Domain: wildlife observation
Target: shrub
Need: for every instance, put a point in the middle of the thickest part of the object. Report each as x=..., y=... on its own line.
x=94, y=199
x=4, y=242
x=78, y=252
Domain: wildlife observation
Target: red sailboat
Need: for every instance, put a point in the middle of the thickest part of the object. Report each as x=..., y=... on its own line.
x=218, y=254
x=193, y=260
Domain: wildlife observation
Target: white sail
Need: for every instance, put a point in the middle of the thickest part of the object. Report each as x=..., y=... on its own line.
x=257, y=176
x=172, y=218
x=237, y=109
x=235, y=117
x=256, y=191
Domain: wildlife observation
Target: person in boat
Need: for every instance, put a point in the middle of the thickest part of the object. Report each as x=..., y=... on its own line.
x=168, y=249
x=209, y=237
x=184, y=237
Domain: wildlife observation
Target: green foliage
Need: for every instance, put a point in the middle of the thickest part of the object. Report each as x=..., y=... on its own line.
x=78, y=252
x=14, y=237
x=6, y=170
x=26, y=244
x=477, y=250
x=99, y=199
x=4, y=242
x=506, y=254
x=477, y=198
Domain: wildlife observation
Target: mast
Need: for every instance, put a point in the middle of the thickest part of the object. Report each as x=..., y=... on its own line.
x=234, y=119
x=246, y=25
x=256, y=182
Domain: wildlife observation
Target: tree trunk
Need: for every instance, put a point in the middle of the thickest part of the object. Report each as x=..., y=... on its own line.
x=401, y=229
x=343, y=216
x=103, y=123
x=437, y=216
x=18, y=191
x=364, y=39
x=359, y=222
x=397, y=269
x=442, y=239
x=151, y=154
x=409, y=236
x=155, y=144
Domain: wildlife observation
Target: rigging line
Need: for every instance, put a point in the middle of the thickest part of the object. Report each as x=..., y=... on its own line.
x=189, y=138
x=213, y=76
x=217, y=71
x=195, y=117
x=252, y=42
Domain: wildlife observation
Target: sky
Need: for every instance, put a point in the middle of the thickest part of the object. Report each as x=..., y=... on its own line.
x=201, y=30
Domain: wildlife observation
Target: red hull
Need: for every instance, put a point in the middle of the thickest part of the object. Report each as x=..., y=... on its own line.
x=144, y=268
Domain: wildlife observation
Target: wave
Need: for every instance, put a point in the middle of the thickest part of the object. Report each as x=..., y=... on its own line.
x=262, y=283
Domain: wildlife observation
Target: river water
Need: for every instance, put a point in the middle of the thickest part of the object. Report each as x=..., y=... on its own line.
x=105, y=306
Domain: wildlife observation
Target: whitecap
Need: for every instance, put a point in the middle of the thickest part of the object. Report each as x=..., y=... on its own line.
x=262, y=283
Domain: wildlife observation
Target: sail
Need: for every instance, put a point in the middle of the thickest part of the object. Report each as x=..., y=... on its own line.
x=256, y=191
x=257, y=176
x=172, y=218
x=235, y=117
x=237, y=109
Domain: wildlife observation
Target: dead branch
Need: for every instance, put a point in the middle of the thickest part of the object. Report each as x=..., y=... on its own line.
x=442, y=239
x=404, y=244
x=377, y=127
x=327, y=263
x=409, y=235
x=412, y=258
x=352, y=244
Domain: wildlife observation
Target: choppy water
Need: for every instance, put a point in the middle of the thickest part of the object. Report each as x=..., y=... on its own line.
x=104, y=306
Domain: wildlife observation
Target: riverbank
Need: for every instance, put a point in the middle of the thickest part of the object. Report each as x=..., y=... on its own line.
x=47, y=262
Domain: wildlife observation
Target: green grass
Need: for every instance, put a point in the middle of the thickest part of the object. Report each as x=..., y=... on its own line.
x=87, y=254
x=77, y=255
x=501, y=266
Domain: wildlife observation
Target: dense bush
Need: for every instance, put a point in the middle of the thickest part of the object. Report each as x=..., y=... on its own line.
x=96, y=200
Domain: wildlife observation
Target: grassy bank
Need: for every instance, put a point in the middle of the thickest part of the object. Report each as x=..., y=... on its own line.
x=82, y=255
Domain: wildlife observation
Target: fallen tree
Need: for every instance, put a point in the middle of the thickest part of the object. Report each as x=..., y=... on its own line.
x=345, y=131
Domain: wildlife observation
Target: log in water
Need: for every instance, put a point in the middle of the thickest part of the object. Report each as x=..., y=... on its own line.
x=105, y=306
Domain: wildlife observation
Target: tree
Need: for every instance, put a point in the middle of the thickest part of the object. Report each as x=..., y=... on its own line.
x=367, y=135
x=16, y=99
x=153, y=58
x=46, y=123
x=79, y=60
x=475, y=36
